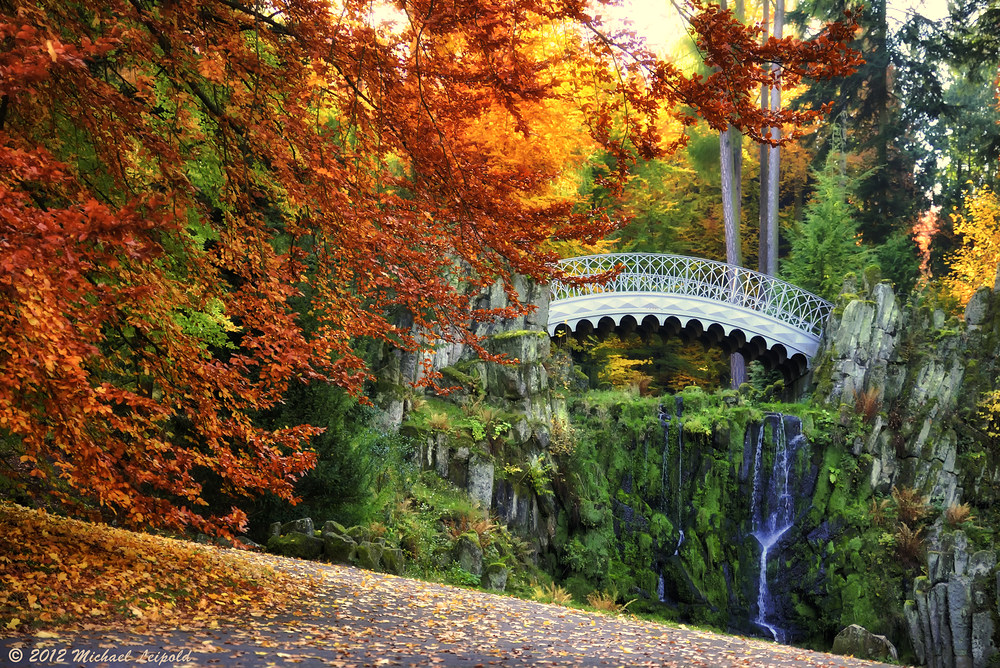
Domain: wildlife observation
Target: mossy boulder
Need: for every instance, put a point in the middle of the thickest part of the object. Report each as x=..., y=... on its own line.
x=469, y=553
x=393, y=560
x=332, y=526
x=296, y=544
x=338, y=548
x=369, y=556
x=495, y=577
x=358, y=534
x=304, y=525
x=858, y=642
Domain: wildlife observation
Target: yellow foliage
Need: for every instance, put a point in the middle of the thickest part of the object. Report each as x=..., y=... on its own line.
x=989, y=410
x=62, y=571
x=552, y=593
x=623, y=372
x=607, y=601
x=975, y=263
x=958, y=513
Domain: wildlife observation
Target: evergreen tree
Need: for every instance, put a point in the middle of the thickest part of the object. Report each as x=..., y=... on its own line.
x=826, y=245
x=883, y=131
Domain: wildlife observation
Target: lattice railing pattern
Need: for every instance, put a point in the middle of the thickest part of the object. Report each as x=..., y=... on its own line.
x=682, y=275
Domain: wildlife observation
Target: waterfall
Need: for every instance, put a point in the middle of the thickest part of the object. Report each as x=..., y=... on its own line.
x=665, y=420
x=664, y=469
x=772, y=510
x=679, y=409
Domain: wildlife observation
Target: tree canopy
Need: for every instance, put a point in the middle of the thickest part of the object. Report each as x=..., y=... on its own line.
x=201, y=203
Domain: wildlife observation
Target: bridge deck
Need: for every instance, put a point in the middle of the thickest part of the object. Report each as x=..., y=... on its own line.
x=745, y=304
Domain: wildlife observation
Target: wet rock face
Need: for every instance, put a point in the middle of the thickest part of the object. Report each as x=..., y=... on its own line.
x=861, y=346
x=927, y=374
x=922, y=374
x=950, y=612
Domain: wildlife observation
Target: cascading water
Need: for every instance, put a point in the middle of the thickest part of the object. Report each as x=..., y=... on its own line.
x=772, y=508
x=679, y=409
x=664, y=469
x=665, y=421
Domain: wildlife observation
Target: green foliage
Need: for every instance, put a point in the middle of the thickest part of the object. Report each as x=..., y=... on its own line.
x=897, y=256
x=458, y=576
x=826, y=244
x=211, y=326
x=536, y=473
x=359, y=464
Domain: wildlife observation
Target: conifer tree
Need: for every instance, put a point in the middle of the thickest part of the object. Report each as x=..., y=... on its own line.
x=826, y=245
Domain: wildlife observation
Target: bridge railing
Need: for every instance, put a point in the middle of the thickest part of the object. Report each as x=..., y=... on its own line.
x=697, y=277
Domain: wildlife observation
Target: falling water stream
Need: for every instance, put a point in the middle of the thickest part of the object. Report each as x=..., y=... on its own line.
x=665, y=421
x=679, y=409
x=772, y=506
x=772, y=509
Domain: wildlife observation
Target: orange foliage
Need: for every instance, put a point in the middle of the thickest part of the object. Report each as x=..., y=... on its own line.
x=923, y=234
x=63, y=571
x=201, y=203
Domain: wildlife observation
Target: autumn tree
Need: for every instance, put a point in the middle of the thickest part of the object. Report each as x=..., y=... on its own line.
x=975, y=262
x=203, y=203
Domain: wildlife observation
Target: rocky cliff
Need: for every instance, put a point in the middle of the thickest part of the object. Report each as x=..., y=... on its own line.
x=922, y=377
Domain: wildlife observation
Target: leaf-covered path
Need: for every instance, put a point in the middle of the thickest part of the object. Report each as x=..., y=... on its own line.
x=359, y=618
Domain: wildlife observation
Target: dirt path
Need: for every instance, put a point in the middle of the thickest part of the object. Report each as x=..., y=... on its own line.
x=359, y=618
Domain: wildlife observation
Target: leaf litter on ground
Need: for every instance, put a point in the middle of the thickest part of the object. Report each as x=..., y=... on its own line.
x=236, y=608
x=56, y=572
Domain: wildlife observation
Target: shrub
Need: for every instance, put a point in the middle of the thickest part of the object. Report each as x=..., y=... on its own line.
x=439, y=422
x=552, y=593
x=607, y=601
x=562, y=438
x=867, y=404
x=910, y=546
x=483, y=527
x=459, y=576
x=957, y=513
x=911, y=506
x=878, y=513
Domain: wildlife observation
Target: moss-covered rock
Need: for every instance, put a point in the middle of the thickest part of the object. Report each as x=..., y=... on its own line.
x=468, y=553
x=296, y=544
x=368, y=555
x=393, y=560
x=495, y=577
x=858, y=642
x=332, y=526
x=338, y=547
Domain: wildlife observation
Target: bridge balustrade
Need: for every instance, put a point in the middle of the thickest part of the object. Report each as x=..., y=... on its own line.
x=691, y=288
x=683, y=275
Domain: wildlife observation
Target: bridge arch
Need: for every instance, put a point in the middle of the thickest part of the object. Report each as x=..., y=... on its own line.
x=719, y=304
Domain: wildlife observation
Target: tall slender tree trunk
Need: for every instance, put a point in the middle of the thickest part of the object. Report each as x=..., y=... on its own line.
x=774, y=155
x=731, y=168
x=730, y=212
x=765, y=105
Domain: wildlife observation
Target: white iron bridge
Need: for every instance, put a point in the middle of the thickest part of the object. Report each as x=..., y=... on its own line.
x=720, y=304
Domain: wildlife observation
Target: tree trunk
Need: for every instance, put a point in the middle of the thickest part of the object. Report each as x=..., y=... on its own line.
x=765, y=105
x=731, y=168
x=774, y=157
x=730, y=212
